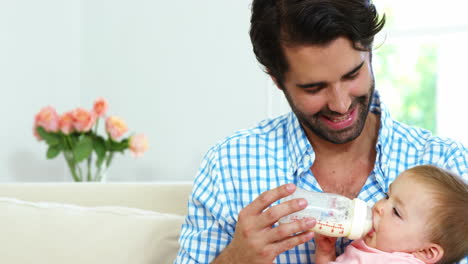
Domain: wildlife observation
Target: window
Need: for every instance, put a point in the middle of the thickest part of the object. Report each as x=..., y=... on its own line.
x=418, y=62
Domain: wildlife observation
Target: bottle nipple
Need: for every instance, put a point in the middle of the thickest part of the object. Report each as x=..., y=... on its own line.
x=361, y=222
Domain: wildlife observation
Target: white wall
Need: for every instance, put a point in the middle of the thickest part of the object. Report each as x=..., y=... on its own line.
x=181, y=72
x=39, y=65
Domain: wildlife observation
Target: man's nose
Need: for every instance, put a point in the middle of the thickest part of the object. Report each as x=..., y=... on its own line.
x=339, y=100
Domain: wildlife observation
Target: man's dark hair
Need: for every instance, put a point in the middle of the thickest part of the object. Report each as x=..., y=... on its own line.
x=315, y=22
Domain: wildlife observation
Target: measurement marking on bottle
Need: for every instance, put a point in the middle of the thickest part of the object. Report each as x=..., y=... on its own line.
x=332, y=227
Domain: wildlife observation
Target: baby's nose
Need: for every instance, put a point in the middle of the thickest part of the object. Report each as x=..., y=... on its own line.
x=378, y=209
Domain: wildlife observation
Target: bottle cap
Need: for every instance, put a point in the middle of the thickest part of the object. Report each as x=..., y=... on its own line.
x=362, y=219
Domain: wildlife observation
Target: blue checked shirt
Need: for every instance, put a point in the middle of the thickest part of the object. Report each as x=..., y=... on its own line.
x=238, y=169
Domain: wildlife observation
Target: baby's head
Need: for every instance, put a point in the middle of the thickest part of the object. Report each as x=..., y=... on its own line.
x=425, y=213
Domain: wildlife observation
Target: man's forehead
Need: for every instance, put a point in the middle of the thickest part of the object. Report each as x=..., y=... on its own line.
x=319, y=63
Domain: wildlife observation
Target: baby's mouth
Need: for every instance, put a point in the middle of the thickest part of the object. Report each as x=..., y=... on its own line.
x=374, y=224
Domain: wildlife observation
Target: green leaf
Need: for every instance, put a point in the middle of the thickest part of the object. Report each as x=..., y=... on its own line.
x=53, y=152
x=99, y=147
x=83, y=148
x=119, y=146
x=74, y=137
x=100, y=161
x=50, y=137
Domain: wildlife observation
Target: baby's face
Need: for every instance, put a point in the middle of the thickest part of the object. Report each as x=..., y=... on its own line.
x=399, y=220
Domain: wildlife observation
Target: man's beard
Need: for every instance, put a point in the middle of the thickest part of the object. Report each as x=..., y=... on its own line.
x=316, y=126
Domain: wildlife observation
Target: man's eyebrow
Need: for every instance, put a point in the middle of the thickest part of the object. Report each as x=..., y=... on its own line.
x=310, y=85
x=315, y=84
x=353, y=71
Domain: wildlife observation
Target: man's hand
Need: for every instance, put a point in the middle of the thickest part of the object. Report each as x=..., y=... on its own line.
x=325, y=250
x=255, y=240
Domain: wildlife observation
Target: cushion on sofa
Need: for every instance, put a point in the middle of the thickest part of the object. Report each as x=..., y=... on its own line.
x=35, y=232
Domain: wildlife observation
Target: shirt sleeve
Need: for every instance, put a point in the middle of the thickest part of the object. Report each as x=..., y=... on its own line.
x=208, y=227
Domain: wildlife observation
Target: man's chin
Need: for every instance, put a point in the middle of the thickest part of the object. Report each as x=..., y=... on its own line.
x=338, y=137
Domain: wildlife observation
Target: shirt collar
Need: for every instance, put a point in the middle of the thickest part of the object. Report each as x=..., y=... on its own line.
x=383, y=146
x=297, y=143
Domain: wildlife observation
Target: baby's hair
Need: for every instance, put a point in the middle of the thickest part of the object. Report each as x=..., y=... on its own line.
x=448, y=222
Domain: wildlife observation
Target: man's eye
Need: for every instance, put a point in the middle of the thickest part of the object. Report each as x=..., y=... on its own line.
x=395, y=211
x=352, y=76
x=312, y=91
x=315, y=89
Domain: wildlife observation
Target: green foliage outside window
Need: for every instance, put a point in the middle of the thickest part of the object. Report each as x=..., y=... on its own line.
x=406, y=69
x=410, y=76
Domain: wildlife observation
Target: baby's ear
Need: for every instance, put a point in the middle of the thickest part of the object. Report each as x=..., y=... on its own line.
x=430, y=254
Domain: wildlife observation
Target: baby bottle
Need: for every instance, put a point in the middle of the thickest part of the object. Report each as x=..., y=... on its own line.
x=336, y=215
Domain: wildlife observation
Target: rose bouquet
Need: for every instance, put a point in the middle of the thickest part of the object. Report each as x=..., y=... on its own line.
x=75, y=134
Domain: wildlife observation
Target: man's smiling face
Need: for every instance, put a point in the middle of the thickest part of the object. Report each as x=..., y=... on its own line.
x=329, y=88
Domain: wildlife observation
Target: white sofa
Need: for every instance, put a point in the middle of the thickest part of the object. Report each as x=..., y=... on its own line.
x=131, y=223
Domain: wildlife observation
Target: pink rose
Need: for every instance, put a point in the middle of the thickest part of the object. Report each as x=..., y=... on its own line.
x=138, y=144
x=83, y=120
x=47, y=118
x=100, y=107
x=66, y=123
x=116, y=127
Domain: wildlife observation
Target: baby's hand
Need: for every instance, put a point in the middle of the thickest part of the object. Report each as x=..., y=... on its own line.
x=325, y=251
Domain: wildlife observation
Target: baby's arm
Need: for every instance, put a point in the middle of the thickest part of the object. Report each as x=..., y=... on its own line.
x=325, y=251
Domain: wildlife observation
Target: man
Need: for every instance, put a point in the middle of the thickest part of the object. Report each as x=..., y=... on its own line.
x=338, y=139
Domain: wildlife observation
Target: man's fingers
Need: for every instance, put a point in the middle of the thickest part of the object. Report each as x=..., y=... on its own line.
x=286, y=231
x=289, y=243
x=274, y=213
x=267, y=198
x=255, y=238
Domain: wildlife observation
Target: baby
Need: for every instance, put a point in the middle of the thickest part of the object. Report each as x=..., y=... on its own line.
x=423, y=219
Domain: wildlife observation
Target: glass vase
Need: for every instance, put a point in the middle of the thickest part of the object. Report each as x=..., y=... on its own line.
x=88, y=169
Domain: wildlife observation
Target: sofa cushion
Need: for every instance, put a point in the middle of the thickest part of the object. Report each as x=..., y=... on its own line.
x=38, y=232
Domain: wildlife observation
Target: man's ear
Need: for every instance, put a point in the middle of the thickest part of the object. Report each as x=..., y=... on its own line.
x=430, y=254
